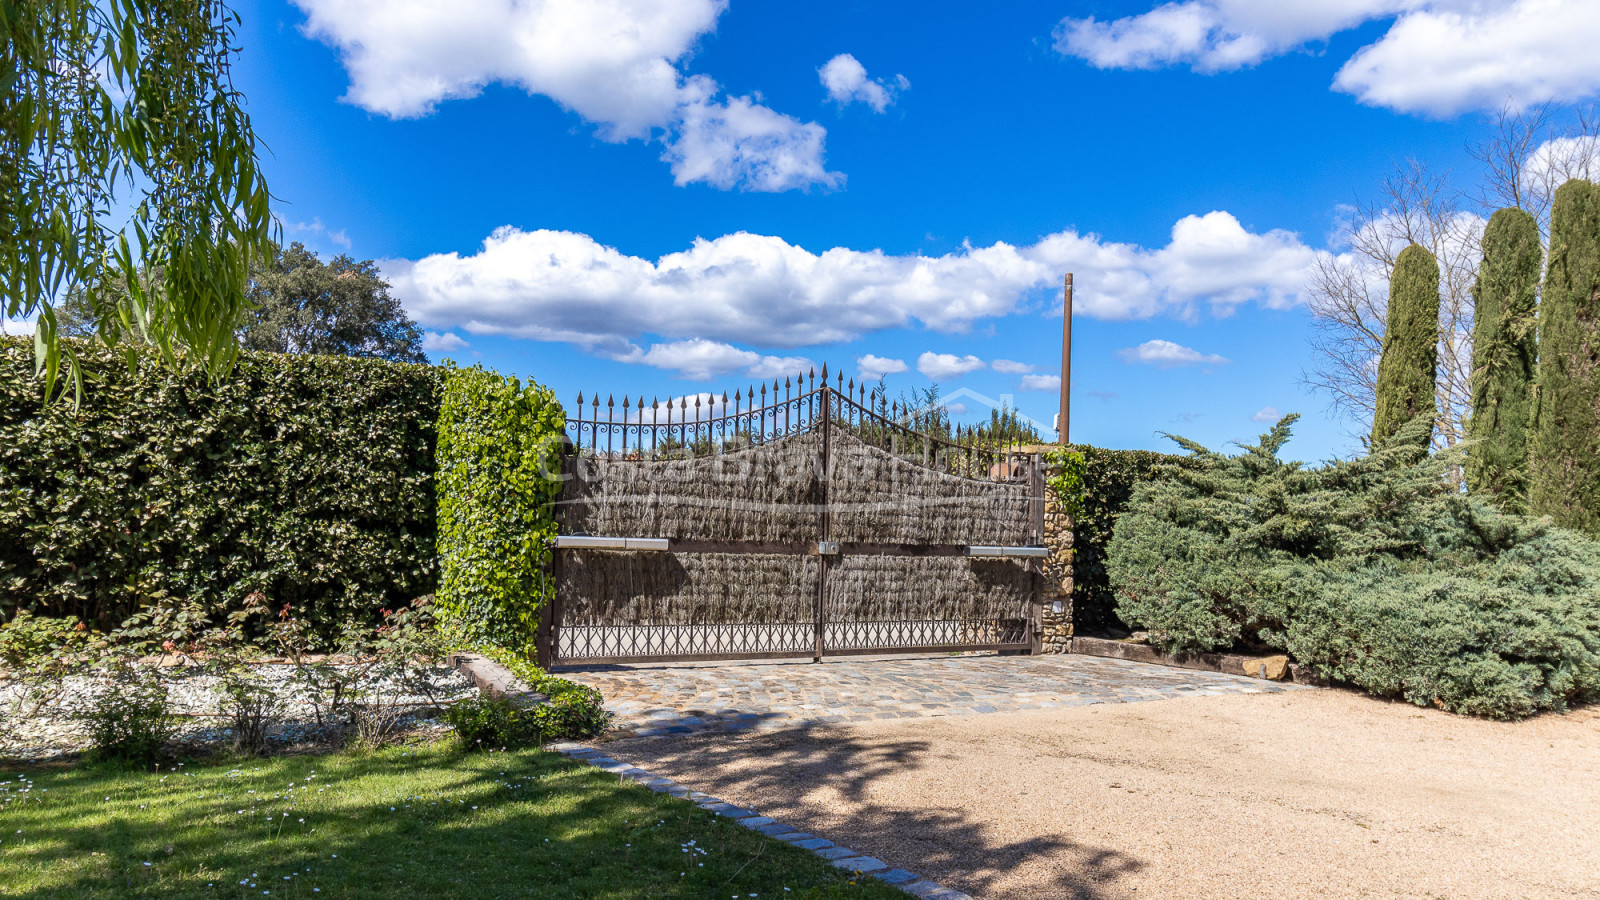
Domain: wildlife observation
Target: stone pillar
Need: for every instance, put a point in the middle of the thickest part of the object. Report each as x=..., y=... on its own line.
x=1057, y=577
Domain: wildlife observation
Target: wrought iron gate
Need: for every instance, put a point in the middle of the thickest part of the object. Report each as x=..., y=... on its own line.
x=816, y=522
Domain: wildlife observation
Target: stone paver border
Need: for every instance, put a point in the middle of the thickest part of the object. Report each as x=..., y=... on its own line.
x=842, y=857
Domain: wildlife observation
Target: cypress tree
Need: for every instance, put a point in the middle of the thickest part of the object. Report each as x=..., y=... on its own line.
x=1566, y=433
x=1504, y=358
x=1409, y=365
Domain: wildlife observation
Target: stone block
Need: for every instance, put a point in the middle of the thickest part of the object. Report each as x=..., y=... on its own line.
x=1272, y=668
x=861, y=865
x=1301, y=675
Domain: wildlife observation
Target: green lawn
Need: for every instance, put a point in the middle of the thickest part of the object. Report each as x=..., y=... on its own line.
x=422, y=821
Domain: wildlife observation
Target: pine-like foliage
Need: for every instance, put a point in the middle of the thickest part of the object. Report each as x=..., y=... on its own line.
x=1409, y=366
x=1372, y=572
x=1505, y=355
x=1566, y=434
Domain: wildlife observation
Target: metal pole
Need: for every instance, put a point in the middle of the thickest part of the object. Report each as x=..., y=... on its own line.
x=1065, y=417
x=545, y=646
x=1035, y=630
x=821, y=609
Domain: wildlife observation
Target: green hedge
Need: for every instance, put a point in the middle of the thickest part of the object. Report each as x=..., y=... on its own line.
x=499, y=464
x=308, y=478
x=1109, y=480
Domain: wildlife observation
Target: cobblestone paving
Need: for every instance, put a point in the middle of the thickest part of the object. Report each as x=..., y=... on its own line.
x=678, y=699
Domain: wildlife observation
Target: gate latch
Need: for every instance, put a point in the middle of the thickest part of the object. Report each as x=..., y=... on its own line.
x=823, y=548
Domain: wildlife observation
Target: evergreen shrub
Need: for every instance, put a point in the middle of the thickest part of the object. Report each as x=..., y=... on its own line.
x=1373, y=572
x=1566, y=434
x=1505, y=357
x=1105, y=482
x=309, y=479
x=1408, y=369
x=575, y=711
x=490, y=722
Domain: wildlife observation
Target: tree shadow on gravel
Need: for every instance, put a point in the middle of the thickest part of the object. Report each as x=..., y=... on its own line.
x=945, y=844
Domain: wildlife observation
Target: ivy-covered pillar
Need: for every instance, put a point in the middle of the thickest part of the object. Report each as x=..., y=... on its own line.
x=499, y=455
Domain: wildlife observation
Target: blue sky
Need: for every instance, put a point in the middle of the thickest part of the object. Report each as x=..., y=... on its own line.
x=664, y=198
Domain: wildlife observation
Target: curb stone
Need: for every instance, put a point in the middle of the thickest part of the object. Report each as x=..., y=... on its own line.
x=494, y=679
x=842, y=857
x=1286, y=673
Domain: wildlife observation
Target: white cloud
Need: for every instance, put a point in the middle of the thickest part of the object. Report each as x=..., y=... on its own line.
x=1166, y=355
x=947, y=365
x=780, y=367
x=1011, y=367
x=760, y=290
x=1211, y=259
x=616, y=63
x=701, y=360
x=681, y=408
x=745, y=145
x=873, y=367
x=1212, y=35
x=315, y=228
x=955, y=408
x=1437, y=56
x=846, y=80
x=1555, y=161
x=1267, y=414
x=1041, y=383
x=436, y=342
x=1442, y=61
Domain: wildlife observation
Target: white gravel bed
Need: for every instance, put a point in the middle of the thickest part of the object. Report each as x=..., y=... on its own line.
x=195, y=700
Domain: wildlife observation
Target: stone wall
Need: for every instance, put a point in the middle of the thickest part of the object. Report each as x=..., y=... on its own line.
x=1057, y=577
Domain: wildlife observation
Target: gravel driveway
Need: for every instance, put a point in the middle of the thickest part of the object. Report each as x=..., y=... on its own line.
x=1311, y=793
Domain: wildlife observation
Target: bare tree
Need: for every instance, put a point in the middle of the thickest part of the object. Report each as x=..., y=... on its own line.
x=1349, y=293
x=1526, y=157
x=1510, y=167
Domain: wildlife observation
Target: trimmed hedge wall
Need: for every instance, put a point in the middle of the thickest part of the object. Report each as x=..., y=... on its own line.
x=308, y=478
x=500, y=446
x=1110, y=477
